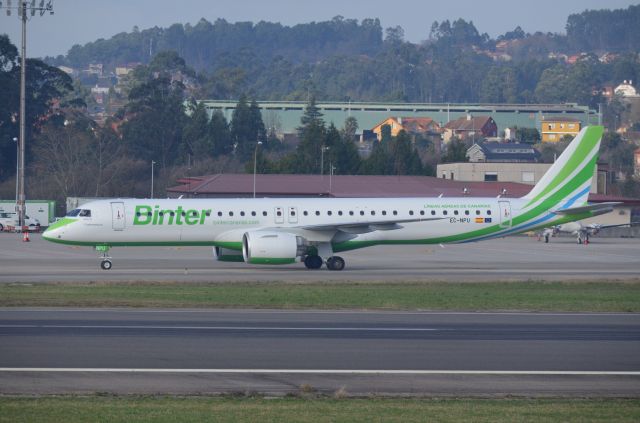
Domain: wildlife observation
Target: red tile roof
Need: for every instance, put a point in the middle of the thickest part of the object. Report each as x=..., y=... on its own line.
x=278, y=185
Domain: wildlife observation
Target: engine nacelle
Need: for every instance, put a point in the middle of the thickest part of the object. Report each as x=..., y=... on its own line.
x=226, y=254
x=265, y=247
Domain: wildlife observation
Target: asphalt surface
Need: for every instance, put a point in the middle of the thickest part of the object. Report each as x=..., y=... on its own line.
x=513, y=258
x=275, y=352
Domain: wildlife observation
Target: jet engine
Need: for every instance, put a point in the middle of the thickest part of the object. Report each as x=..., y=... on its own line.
x=266, y=247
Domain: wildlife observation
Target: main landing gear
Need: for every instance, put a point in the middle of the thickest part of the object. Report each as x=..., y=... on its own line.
x=105, y=263
x=316, y=262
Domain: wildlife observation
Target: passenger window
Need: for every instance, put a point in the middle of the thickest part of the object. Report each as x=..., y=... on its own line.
x=350, y=212
x=328, y=212
x=433, y=212
x=373, y=213
x=339, y=212
x=293, y=212
x=477, y=212
x=395, y=212
x=219, y=213
x=384, y=212
x=172, y=214
x=411, y=212
x=444, y=212
x=279, y=213
x=317, y=213
x=421, y=212
x=253, y=213
x=209, y=213
x=466, y=212
x=455, y=212
x=241, y=213
x=361, y=212
x=306, y=213
x=489, y=212
x=230, y=213
x=264, y=213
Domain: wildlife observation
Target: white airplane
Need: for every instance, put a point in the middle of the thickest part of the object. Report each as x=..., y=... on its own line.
x=285, y=230
x=581, y=231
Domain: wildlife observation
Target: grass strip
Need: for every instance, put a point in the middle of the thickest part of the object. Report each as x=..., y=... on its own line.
x=533, y=296
x=257, y=409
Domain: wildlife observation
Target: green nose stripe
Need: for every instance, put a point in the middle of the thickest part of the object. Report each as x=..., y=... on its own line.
x=60, y=223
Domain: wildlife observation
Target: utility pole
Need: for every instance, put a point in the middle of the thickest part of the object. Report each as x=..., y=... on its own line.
x=23, y=8
x=255, y=167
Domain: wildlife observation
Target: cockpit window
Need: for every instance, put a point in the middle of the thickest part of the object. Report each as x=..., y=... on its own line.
x=73, y=213
x=85, y=213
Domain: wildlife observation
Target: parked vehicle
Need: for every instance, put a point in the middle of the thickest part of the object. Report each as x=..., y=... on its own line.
x=9, y=222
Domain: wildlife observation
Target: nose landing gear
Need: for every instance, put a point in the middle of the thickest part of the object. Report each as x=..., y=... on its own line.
x=105, y=263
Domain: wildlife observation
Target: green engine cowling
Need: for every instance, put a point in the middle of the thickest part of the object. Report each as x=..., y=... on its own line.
x=226, y=254
x=267, y=247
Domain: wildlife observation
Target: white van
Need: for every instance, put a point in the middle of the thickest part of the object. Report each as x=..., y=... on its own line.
x=9, y=221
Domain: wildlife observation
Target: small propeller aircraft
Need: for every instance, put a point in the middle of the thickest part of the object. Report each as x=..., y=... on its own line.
x=581, y=231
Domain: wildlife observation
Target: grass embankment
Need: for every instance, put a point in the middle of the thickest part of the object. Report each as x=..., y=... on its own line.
x=535, y=296
x=223, y=409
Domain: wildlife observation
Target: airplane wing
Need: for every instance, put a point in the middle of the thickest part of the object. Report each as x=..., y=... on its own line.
x=594, y=209
x=365, y=227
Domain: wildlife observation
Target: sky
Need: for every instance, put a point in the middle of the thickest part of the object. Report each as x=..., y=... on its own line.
x=82, y=21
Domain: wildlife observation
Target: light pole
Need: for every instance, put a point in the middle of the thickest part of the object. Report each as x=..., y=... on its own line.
x=15, y=139
x=255, y=166
x=331, y=169
x=152, y=164
x=322, y=150
x=23, y=7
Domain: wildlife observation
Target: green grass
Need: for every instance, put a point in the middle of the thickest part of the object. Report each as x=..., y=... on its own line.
x=536, y=296
x=224, y=409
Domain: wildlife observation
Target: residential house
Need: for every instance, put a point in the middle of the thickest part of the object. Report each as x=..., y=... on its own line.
x=636, y=162
x=554, y=128
x=414, y=126
x=626, y=89
x=470, y=128
x=502, y=152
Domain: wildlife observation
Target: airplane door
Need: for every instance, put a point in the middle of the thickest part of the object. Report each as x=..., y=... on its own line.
x=279, y=215
x=293, y=215
x=505, y=214
x=117, y=216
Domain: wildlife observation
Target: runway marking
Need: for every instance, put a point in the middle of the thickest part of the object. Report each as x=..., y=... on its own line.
x=252, y=328
x=328, y=371
x=307, y=312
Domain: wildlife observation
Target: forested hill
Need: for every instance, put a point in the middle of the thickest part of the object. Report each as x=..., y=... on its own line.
x=221, y=44
x=609, y=30
x=209, y=45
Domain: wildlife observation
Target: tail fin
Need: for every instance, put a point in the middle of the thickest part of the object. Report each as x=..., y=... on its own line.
x=570, y=176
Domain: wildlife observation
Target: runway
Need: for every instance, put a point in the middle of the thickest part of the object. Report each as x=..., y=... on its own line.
x=513, y=258
x=275, y=352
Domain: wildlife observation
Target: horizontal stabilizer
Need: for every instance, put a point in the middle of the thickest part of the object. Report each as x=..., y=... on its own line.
x=594, y=209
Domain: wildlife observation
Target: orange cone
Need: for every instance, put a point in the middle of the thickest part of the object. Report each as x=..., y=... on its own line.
x=25, y=235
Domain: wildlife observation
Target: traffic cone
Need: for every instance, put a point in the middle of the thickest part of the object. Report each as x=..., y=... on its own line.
x=25, y=235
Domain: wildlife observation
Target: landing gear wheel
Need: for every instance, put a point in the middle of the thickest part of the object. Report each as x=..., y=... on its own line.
x=335, y=263
x=106, y=264
x=313, y=262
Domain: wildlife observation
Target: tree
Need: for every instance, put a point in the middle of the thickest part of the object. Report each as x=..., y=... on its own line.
x=312, y=137
x=406, y=160
x=154, y=131
x=456, y=152
x=528, y=135
x=247, y=128
x=220, y=134
x=197, y=137
x=43, y=84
